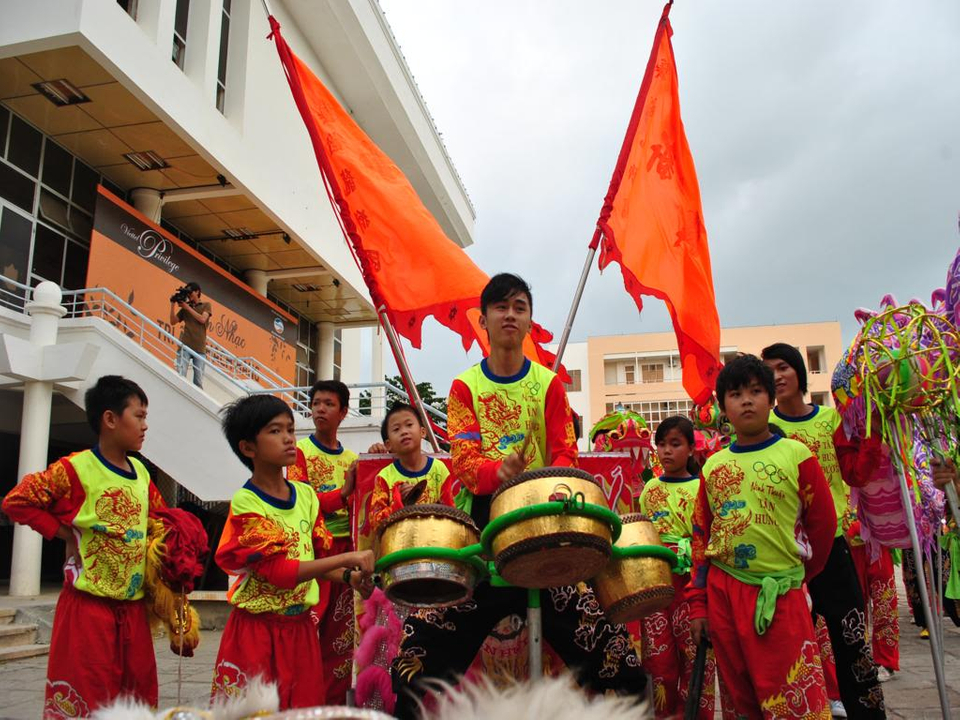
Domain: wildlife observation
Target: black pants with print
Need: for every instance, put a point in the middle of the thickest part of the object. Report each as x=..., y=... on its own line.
x=441, y=644
x=837, y=596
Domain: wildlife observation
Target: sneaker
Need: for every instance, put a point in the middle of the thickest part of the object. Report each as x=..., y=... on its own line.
x=924, y=634
x=837, y=709
x=883, y=674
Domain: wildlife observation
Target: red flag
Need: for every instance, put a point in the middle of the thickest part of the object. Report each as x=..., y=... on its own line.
x=410, y=266
x=652, y=221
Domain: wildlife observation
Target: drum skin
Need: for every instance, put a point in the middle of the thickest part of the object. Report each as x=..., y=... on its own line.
x=632, y=588
x=428, y=583
x=551, y=550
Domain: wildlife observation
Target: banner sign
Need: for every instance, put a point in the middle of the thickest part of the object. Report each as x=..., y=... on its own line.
x=144, y=265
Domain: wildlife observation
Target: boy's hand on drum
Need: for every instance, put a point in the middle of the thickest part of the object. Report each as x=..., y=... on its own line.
x=511, y=466
x=699, y=630
x=363, y=560
x=362, y=583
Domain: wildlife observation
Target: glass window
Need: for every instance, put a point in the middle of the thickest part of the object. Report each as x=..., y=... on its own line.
x=57, y=168
x=129, y=7
x=17, y=187
x=25, y=143
x=75, y=267
x=222, y=67
x=48, y=254
x=180, y=32
x=85, y=181
x=15, y=232
x=337, y=352
x=574, y=385
x=4, y=117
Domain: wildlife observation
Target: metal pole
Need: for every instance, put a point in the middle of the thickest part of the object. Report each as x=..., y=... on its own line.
x=406, y=375
x=266, y=8
x=565, y=336
x=921, y=575
x=534, y=635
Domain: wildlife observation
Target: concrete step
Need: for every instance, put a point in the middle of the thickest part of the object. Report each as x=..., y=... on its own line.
x=19, y=652
x=7, y=615
x=17, y=635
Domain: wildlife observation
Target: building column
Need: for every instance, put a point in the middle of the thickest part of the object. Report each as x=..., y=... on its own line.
x=324, y=367
x=378, y=395
x=45, y=312
x=148, y=202
x=258, y=280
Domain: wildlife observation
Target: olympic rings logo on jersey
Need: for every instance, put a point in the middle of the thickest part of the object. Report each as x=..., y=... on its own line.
x=769, y=471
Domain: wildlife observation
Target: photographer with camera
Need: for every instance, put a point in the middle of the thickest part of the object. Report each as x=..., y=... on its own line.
x=194, y=315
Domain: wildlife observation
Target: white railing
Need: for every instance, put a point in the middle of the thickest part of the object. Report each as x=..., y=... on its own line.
x=243, y=373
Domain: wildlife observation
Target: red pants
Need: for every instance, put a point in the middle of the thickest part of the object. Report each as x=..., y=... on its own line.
x=668, y=654
x=879, y=589
x=336, y=632
x=278, y=648
x=774, y=675
x=100, y=649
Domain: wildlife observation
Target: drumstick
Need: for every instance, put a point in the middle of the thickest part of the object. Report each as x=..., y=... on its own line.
x=695, y=689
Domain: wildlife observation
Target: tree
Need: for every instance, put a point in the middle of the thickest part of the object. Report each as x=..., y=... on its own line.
x=427, y=394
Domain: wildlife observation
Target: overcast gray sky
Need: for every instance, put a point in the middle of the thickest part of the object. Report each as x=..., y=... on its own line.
x=826, y=138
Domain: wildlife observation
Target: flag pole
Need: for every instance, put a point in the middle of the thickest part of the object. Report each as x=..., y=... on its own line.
x=577, y=296
x=407, y=376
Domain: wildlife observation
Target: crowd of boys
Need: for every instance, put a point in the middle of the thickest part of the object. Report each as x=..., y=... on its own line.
x=767, y=530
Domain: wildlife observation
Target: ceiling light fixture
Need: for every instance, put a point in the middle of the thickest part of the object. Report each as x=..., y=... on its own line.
x=61, y=92
x=239, y=233
x=146, y=160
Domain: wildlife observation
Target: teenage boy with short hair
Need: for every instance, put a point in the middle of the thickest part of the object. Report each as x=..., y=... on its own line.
x=507, y=415
x=836, y=592
x=413, y=477
x=328, y=467
x=97, y=501
x=276, y=543
x=764, y=523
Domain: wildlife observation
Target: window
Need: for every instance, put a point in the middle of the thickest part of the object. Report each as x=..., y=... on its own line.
x=222, y=67
x=129, y=7
x=337, y=352
x=629, y=374
x=652, y=373
x=15, y=230
x=819, y=398
x=815, y=360
x=654, y=412
x=180, y=32
x=574, y=384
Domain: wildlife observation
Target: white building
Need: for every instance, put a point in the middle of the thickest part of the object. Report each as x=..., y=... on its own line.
x=181, y=108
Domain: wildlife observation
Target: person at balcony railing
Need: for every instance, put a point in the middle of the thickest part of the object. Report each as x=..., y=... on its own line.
x=98, y=501
x=194, y=314
x=327, y=466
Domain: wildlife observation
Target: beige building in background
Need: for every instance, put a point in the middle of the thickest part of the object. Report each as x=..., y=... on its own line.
x=642, y=372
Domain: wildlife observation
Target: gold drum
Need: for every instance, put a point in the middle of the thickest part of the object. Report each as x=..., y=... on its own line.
x=551, y=550
x=428, y=583
x=631, y=588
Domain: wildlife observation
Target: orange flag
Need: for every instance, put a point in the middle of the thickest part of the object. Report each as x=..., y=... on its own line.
x=410, y=266
x=652, y=222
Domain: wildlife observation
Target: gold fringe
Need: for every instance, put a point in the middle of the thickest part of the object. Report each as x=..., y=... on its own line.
x=164, y=604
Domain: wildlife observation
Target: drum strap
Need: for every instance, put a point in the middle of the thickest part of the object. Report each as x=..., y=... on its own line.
x=772, y=586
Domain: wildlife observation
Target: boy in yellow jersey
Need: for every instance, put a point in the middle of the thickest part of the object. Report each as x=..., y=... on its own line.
x=506, y=415
x=764, y=523
x=836, y=592
x=328, y=467
x=276, y=544
x=413, y=477
x=97, y=502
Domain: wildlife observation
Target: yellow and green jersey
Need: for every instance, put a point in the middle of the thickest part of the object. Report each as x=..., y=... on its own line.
x=324, y=470
x=670, y=503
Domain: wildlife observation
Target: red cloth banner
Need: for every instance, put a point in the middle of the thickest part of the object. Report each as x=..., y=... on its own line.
x=652, y=222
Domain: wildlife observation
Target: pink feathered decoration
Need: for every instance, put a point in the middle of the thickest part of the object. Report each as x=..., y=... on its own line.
x=374, y=690
x=373, y=640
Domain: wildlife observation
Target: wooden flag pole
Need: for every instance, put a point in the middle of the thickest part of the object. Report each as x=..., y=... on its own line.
x=407, y=376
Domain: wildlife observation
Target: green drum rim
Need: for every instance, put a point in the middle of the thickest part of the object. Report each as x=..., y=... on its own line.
x=597, y=512
x=469, y=555
x=658, y=552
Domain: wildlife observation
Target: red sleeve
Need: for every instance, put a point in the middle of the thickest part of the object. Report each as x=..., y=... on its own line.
x=156, y=501
x=702, y=521
x=46, y=500
x=859, y=459
x=561, y=438
x=253, y=542
x=298, y=471
x=477, y=473
x=818, y=514
x=331, y=501
x=322, y=539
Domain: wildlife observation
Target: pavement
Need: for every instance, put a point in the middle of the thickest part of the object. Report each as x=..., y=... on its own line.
x=912, y=693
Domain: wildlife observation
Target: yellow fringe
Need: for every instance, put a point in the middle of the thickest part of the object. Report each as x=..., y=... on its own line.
x=164, y=604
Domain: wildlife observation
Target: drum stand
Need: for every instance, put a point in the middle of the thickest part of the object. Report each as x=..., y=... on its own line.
x=534, y=634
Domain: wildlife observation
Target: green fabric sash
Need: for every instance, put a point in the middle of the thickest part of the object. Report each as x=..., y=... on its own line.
x=683, y=550
x=951, y=543
x=772, y=586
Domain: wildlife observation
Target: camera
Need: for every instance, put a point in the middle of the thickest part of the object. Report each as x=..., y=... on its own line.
x=181, y=294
